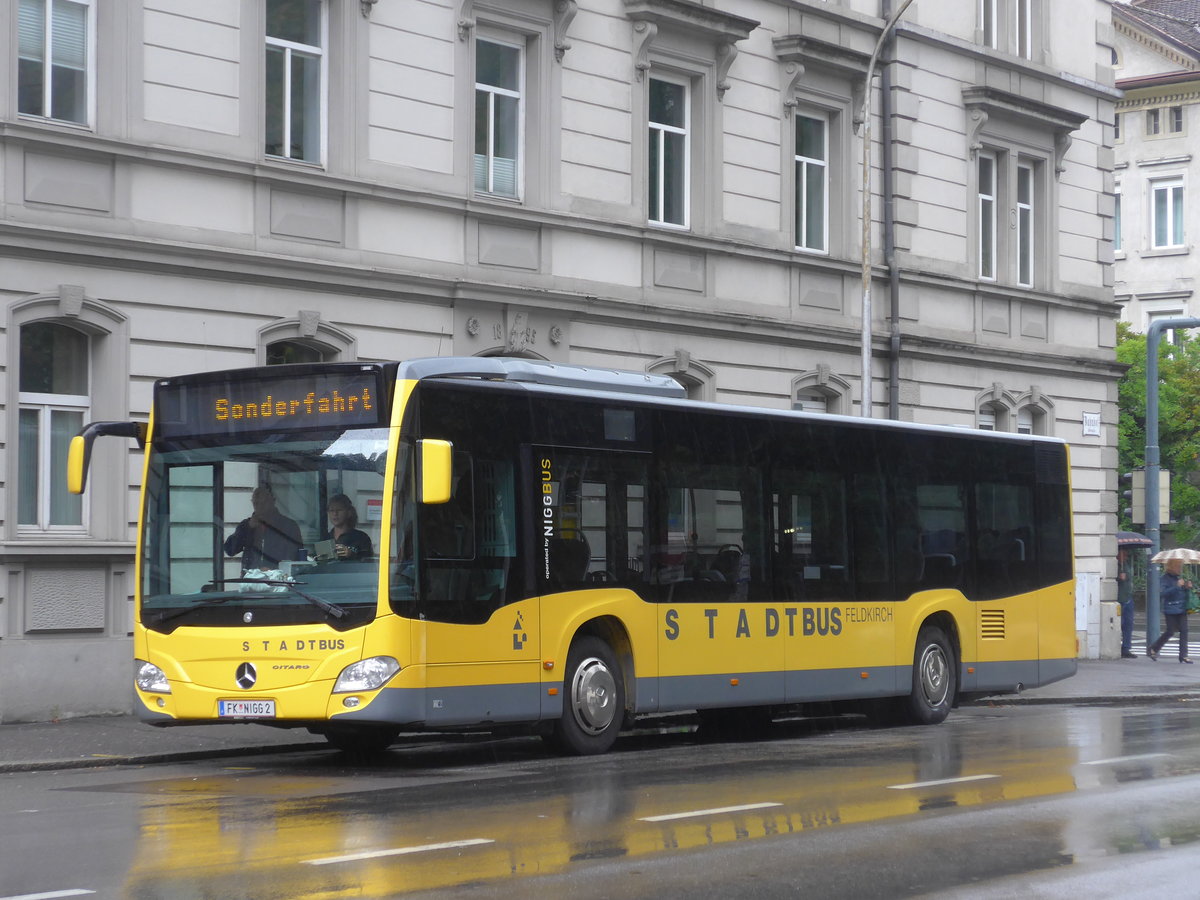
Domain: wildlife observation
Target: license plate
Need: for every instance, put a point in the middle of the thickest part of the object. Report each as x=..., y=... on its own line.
x=246, y=709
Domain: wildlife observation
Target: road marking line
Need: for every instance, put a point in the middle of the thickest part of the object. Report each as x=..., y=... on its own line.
x=50, y=895
x=707, y=812
x=396, y=851
x=1124, y=759
x=922, y=784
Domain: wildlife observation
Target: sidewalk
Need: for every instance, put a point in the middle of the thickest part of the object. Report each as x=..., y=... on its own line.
x=121, y=740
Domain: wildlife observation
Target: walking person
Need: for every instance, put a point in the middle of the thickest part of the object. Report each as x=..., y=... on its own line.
x=1125, y=598
x=1173, y=594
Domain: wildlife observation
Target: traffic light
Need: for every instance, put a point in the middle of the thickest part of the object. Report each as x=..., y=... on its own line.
x=1137, y=495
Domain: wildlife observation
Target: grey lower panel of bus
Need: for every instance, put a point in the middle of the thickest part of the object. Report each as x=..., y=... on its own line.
x=1010, y=676
x=523, y=703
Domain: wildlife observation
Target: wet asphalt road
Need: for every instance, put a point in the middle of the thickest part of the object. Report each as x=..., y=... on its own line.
x=1060, y=801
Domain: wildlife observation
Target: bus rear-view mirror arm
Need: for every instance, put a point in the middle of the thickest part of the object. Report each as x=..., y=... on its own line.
x=79, y=455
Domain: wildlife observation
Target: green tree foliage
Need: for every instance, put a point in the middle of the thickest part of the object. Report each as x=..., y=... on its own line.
x=1178, y=422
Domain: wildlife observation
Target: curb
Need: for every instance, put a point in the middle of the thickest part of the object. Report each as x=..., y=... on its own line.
x=96, y=762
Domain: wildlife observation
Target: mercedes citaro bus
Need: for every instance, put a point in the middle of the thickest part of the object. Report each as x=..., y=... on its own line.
x=565, y=549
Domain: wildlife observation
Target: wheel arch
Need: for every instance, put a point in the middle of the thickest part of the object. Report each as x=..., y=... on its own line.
x=613, y=632
x=948, y=624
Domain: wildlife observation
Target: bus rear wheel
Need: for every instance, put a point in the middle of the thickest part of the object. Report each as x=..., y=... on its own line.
x=935, y=679
x=593, y=700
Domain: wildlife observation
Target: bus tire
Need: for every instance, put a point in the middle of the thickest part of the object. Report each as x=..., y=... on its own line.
x=934, y=679
x=593, y=700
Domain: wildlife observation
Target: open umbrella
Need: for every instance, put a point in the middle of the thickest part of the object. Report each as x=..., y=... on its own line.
x=1183, y=553
x=1132, y=539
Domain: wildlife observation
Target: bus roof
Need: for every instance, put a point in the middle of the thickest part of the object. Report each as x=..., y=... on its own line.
x=586, y=381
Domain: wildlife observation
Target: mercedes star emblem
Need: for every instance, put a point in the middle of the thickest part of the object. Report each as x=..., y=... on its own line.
x=246, y=675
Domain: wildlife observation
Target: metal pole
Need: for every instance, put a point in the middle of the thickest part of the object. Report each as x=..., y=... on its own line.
x=1153, y=335
x=866, y=339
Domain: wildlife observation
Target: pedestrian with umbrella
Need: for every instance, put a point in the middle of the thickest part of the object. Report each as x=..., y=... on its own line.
x=1173, y=592
x=1126, y=542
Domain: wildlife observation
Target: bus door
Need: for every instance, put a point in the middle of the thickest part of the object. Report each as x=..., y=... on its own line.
x=475, y=634
x=590, y=550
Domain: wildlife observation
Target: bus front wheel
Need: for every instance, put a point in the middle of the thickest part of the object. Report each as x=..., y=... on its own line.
x=593, y=700
x=935, y=678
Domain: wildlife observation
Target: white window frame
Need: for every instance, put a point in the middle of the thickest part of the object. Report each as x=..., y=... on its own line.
x=45, y=405
x=1023, y=28
x=802, y=167
x=1153, y=122
x=987, y=24
x=656, y=137
x=1117, y=219
x=291, y=48
x=1172, y=190
x=1025, y=263
x=1174, y=119
x=987, y=216
x=492, y=92
x=47, y=61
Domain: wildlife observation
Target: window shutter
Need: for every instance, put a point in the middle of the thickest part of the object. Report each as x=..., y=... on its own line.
x=31, y=29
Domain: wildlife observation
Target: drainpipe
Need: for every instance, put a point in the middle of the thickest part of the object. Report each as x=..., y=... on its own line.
x=889, y=223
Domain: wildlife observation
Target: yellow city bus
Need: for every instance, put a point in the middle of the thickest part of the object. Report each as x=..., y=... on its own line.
x=567, y=549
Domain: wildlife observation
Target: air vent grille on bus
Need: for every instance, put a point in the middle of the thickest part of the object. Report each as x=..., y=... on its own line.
x=991, y=624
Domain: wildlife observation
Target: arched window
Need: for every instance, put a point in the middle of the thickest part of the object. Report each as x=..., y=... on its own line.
x=69, y=364
x=820, y=391
x=54, y=404
x=282, y=353
x=697, y=379
x=304, y=339
x=1035, y=413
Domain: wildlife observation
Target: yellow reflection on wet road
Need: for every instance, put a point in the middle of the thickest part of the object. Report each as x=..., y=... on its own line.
x=262, y=835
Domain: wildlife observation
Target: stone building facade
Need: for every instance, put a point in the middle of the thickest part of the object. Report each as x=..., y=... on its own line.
x=1157, y=67
x=661, y=185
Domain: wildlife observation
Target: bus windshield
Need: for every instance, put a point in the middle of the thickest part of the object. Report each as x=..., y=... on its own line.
x=279, y=530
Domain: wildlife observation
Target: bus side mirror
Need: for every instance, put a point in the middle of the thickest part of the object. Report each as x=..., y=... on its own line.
x=79, y=454
x=436, y=459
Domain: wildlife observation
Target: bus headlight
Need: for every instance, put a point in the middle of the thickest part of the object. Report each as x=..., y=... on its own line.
x=366, y=675
x=150, y=677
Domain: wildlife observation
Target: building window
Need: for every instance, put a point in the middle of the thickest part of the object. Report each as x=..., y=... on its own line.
x=498, y=113
x=812, y=183
x=987, y=420
x=1116, y=128
x=1026, y=420
x=1174, y=119
x=295, y=79
x=1167, y=213
x=54, y=403
x=987, y=23
x=54, y=41
x=1025, y=225
x=1117, y=220
x=668, y=152
x=987, y=215
x=1153, y=121
x=285, y=353
x=1023, y=27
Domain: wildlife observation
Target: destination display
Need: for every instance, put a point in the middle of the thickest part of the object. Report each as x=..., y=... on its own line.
x=329, y=399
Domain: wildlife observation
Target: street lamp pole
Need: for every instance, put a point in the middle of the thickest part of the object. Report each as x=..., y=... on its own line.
x=866, y=339
x=1153, y=336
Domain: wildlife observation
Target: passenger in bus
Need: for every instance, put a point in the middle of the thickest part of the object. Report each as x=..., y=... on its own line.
x=267, y=536
x=348, y=542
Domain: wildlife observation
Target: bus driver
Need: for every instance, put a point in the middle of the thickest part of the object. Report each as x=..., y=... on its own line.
x=267, y=536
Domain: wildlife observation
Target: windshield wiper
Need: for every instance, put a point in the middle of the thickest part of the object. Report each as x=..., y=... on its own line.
x=325, y=606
